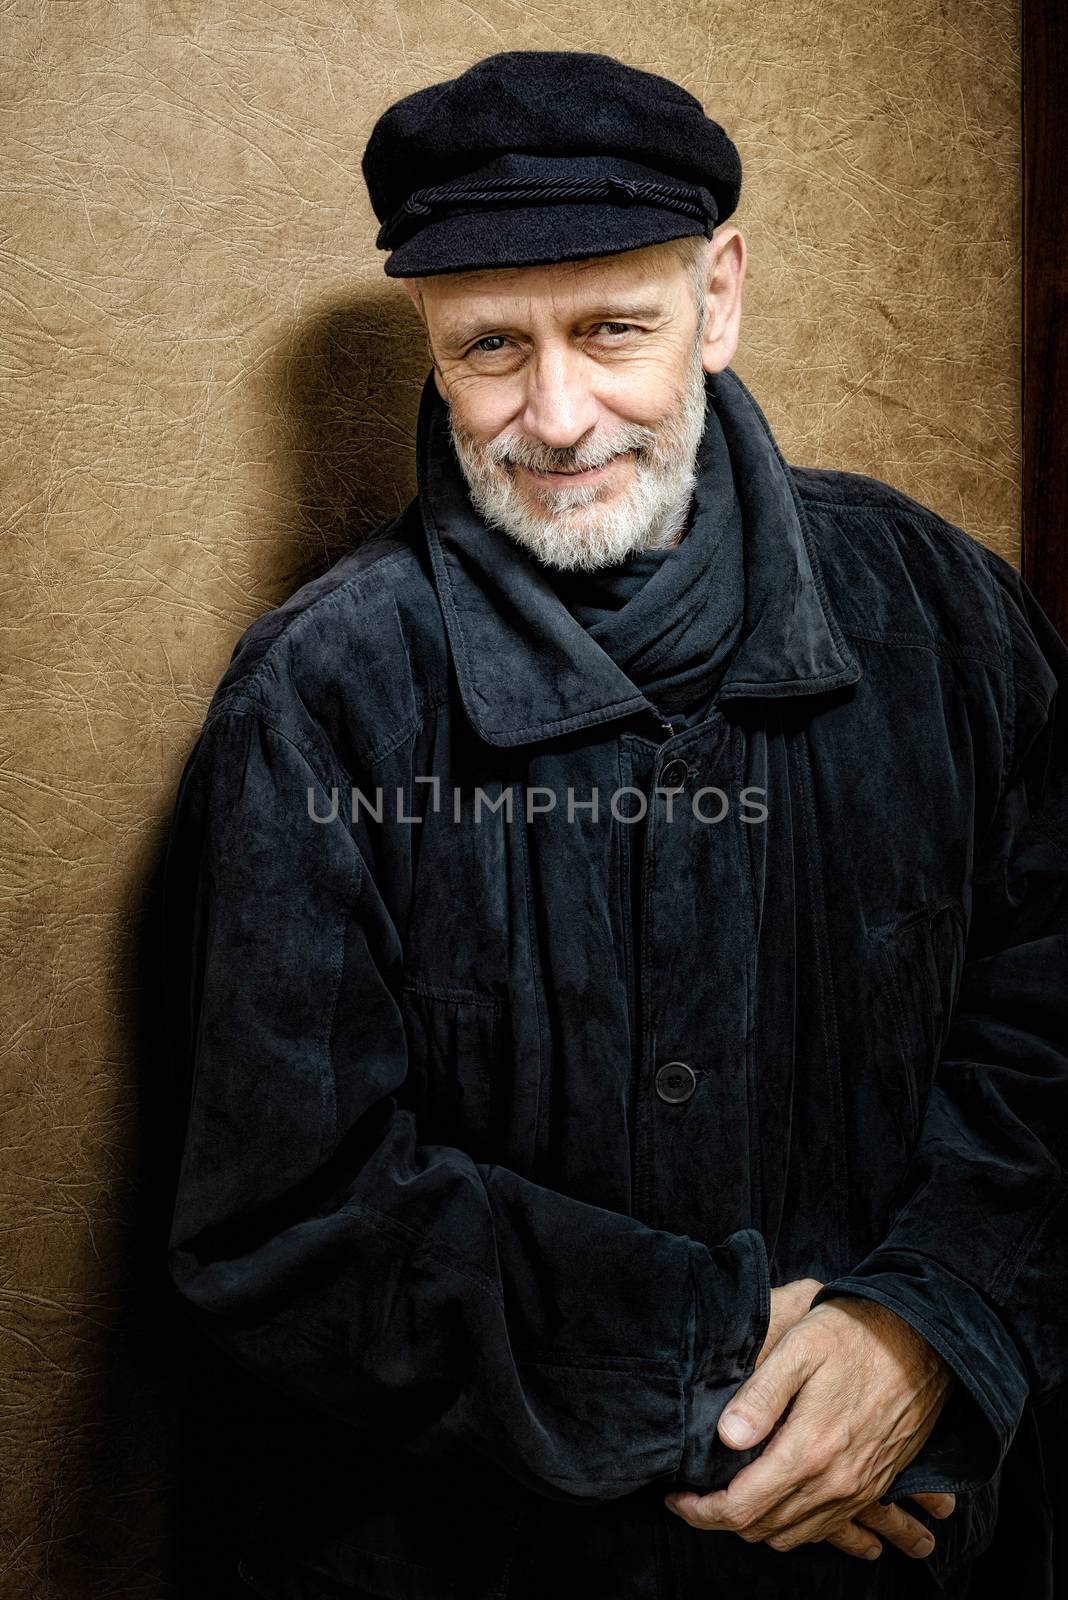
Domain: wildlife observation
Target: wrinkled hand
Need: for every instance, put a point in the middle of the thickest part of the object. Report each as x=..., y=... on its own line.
x=867, y=1390
x=788, y=1305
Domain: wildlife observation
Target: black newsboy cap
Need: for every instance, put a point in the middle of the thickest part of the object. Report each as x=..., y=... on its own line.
x=532, y=156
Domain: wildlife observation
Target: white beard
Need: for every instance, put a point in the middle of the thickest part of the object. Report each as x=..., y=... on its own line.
x=577, y=530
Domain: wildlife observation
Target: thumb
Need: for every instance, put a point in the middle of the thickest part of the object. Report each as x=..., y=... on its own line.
x=760, y=1402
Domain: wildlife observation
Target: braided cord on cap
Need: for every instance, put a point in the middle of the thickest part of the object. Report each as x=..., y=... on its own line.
x=429, y=204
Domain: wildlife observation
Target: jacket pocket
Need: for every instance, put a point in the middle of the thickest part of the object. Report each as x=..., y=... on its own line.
x=453, y=1038
x=919, y=962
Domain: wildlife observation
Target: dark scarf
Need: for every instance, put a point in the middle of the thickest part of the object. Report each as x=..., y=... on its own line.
x=670, y=619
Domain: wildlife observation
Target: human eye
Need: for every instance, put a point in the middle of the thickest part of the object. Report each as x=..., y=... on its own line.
x=481, y=346
x=617, y=327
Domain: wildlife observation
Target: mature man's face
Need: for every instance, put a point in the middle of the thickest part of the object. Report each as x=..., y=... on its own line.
x=576, y=393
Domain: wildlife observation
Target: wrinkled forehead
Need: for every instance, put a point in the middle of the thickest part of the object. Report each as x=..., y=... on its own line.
x=559, y=288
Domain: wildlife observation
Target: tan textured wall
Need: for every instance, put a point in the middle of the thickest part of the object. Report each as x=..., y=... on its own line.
x=208, y=387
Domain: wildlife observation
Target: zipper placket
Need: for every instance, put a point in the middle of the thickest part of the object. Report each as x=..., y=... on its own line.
x=635, y=909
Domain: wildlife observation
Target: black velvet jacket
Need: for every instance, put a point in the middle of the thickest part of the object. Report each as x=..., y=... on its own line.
x=504, y=1111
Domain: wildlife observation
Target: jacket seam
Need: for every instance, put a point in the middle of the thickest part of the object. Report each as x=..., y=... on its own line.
x=550, y=1477
x=536, y=976
x=812, y=498
x=688, y=1358
x=259, y=714
x=1042, y=701
x=386, y=559
x=420, y=1243
x=735, y=687
x=415, y=725
x=622, y=844
x=258, y=711
x=757, y=1185
x=580, y=719
x=354, y=893
x=375, y=755
x=923, y=517
x=644, y=1140
x=450, y=993
x=923, y=642
x=829, y=1010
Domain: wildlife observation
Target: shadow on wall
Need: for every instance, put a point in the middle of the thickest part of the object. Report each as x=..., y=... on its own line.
x=151, y=1502
x=340, y=397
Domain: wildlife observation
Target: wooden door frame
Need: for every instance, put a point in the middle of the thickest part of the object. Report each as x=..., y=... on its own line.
x=1044, y=130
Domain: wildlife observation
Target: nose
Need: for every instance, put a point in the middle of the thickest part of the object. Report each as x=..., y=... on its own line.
x=561, y=407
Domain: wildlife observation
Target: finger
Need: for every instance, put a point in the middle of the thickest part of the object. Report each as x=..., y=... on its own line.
x=808, y=1511
x=792, y=1478
x=895, y=1524
x=758, y=1492
x=855, y=1541
x=763, y=1397
x=794, y=1522
x=937, y=1505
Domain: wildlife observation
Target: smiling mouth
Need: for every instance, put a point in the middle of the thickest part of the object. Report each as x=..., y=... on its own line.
x=580, y=473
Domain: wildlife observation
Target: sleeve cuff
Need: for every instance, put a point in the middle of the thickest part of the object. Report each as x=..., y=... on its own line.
x=727, y=1328
x=976, y=1425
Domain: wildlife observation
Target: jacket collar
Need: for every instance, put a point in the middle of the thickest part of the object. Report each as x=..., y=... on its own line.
x=528, y=670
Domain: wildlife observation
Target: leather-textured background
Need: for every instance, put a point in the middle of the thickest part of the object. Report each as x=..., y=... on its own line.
x=209, y=388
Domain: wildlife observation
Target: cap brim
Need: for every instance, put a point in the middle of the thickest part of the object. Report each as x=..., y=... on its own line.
x=531, y=236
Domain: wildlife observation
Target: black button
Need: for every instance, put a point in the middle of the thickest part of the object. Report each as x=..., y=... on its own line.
x=674, y=774
x=675, y=1082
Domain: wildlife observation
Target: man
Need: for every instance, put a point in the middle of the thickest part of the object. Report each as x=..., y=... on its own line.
x=619, y=920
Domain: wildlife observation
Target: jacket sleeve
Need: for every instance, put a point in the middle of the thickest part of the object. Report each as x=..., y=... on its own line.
x=450, y=1306
x=975, y=1258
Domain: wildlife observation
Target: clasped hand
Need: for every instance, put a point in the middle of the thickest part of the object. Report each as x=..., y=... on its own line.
x=866, y=1391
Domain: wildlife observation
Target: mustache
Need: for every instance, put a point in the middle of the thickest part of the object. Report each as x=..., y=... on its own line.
x=575, y=458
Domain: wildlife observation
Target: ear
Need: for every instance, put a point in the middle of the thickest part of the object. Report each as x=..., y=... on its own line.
x=411, y=289
x=723, y=300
